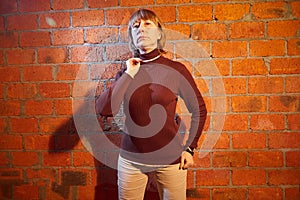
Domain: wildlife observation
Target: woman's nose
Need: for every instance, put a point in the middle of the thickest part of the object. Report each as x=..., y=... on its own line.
x=142, y=27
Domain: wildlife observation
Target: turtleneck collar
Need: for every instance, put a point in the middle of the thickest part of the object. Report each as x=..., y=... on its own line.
x=150, y=55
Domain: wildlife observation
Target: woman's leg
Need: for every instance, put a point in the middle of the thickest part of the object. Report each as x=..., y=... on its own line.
x=171, y=183
x=131, y=181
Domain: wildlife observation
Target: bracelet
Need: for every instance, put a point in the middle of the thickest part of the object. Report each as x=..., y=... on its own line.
x=189, y=150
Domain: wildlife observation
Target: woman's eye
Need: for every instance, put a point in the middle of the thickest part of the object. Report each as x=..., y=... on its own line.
x=136, y=25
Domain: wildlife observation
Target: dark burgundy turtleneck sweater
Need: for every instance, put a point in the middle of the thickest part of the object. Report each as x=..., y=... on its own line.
x=150, y=98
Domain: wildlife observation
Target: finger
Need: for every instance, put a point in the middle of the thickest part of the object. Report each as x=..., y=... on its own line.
x=181, y=162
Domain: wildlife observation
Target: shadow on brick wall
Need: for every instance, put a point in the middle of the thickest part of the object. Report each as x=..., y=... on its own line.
x=66, y=139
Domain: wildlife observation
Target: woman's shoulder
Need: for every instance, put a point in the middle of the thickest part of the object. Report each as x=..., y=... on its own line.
x=177, y=65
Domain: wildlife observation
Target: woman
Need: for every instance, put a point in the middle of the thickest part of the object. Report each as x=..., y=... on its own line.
x=149, y=88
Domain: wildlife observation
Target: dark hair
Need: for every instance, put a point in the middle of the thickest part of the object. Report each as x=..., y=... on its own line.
x=145, y=14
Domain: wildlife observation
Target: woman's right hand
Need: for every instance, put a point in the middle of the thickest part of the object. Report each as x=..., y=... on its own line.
x=133, y=66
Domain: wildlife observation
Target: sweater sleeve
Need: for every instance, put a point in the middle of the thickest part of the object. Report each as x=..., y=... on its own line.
x=194, y=102
x=108, y=102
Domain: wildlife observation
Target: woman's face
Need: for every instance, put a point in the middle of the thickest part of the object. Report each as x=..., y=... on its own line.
x=145, y=35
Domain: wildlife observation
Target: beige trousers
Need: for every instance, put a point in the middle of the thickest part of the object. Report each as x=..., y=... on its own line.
x=132, y=180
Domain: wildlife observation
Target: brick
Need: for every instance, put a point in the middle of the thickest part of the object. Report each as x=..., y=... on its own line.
x=265, y=193
x=38, y=107
x=2, y=89
x=246, y=67
x=102, y=3
x=67, y=4
x=265, y=159
x=10, y=108
x=284, y=177
x=221, y=141
x=267, y=48
x=229, y=159
x=67, y=141
x=3, y=126
x=10, y=74
x=34, y=39
x=285, y=66
x=293, y=122
x=231, y=11
x=221, y=67
x=165, y=13
x=83, y=159
x=284, y=140
x=10, y=142
x=39, y=142
x=231, y=85
x=194, y=13
x=172, y=1
x=118, y=52
x=26, y=192
x=136, y=3
x=118, y=16
x=177, y=31
x=249, y=177
x=237, y=122
x=72, y=72
x=190, y=49
x=87, y=192
x=287, y=28
x=37, y=73
x=249, y=140
x=293, y=47
x=88, y=18
x=55, y=90
x=4, y=159
x=269, y=10
x=229, y=49
x=229, y=193
x=8, y=39
x=240, y=30
x=249, y=103
x=209, y=31
x=55, y=125
x=84, y=89
x=53, y=55
x=8, y=6
x=24, y=158
x=104, y=71
x=2, y=58
x=265, y=85
x=212, y=177
x=61, y=159
x=37, y=173
x=291, y=84
x=87, y=54
x=267, y=122
x=292, y=158
x=201, y=161
x=24, y=125
x=16, y=22
x=63, y=107
x=284, y=103
x=22, y=91
x=108, y=35
x=292, y=193
x=55, y=20
x=67, y=37
x=34, y=6
x=20, y=56
x=295, y=10
x=2, y=25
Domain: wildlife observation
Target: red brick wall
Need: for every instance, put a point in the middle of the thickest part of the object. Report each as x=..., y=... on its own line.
x=254, y=44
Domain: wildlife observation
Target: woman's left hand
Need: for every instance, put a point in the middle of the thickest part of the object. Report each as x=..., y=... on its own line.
x=187, y=160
